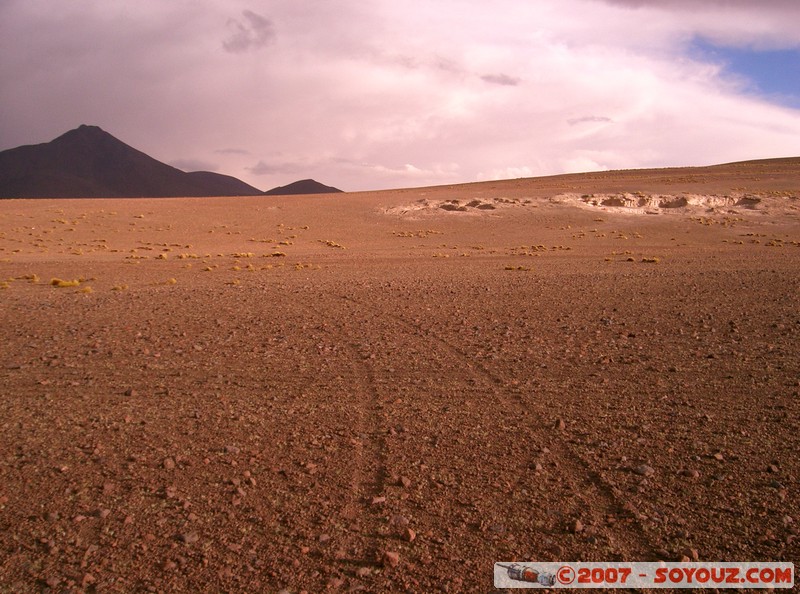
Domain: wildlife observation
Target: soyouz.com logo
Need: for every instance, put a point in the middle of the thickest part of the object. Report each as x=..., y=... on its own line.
x=644, y=575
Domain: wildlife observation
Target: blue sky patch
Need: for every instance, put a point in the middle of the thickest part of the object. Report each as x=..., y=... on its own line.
x=773, y=74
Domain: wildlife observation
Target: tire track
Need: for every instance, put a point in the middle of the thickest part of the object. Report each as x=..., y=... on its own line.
x=625, y=534
x=367, y=482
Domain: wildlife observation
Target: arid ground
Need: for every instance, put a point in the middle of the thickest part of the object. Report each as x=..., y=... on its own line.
x=390, y=391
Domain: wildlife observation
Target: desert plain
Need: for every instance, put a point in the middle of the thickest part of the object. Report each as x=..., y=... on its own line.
x=390, y=391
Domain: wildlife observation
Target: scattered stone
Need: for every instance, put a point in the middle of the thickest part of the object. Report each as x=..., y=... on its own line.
x=390, y=559
x=378, y=500
x=363, y=572
x=691, y=553
x=409, y=535
x=335, y=583
x=689, y=473
x=400, y=521
x=323, y=538
x=560, y=424
x=538, y=467
x=130, y=392
x=644, y=470
x=576, y=527
x=168, y=463
x=169, y=565
x=189, y=537
x=52, y=516
x=405, y=482
x=773, y=469
x=719, y=456
x=232, y=449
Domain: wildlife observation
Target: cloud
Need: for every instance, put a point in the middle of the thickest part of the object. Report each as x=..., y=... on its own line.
x=351, y=91
x=262, y=168
x=232, y=151
x=193, y=165
x=254, y=33
x=589, y=119
x=501, y=79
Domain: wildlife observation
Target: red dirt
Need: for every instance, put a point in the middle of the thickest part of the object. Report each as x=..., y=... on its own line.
x=445, y=390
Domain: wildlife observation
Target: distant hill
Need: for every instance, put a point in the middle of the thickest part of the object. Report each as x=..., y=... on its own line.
x=90, y=163
x=304, y=186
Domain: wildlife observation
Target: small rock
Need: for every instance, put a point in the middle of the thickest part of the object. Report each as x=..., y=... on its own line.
x=409, y=535
x=400, y=521
x=104, y=513
x=560, y=424
x=644, y=470
x=773, y=469
x=168, y=463
x=323, y=538
x=405, y=482
x=719, y=456
x=577, y=526
x=52, y=516
x=130, y=392
x=189, y=537
x=538, y=467
x=689, y=473
x=692, y=554
x=335, y=583
x=390, y=559
x=231, y=449
x=378, y=500
x=363, y=571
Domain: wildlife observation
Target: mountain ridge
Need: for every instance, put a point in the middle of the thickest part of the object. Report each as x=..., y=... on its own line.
x=88, y=162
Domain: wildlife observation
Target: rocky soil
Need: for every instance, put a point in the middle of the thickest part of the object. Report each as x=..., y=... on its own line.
x=401, y=398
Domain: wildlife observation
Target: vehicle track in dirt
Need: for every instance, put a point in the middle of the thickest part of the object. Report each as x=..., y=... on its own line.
x=605, y=517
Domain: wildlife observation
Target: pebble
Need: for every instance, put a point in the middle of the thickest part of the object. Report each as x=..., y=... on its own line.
x=168, y=463
x=692, y=554
x=405, y=482
x=378, y=500
x=189, y=537
x=390, y=559
x=409, y=535
x=644, y=470
x=560, y=424
x=689, y=473
x=577, y=527
x=772, y=468
x=719, y=456
x=363, y=571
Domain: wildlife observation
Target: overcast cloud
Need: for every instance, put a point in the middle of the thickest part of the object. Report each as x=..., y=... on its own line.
x=376, y=94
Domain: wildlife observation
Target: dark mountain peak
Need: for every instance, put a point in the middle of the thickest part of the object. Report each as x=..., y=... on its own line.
x=88, y=162
x=303, y=186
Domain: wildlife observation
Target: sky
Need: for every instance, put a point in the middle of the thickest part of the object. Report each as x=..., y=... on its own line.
x=376, y=94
